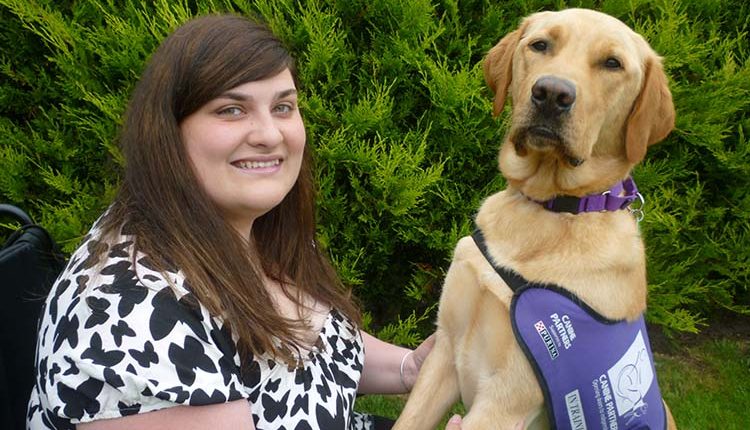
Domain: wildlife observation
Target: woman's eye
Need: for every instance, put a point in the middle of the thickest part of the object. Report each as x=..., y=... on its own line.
x=612, y=63
x=230, y=111
x=539, y=46
x=283, y=108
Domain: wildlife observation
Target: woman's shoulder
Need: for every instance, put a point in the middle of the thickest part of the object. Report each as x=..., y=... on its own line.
x=115, y=324
x=108, y=281
x=111, y=264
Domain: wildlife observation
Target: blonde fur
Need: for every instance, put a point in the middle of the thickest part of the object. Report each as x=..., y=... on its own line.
x=598, y=256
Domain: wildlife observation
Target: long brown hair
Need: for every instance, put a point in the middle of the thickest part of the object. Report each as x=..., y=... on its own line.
x=173, y=220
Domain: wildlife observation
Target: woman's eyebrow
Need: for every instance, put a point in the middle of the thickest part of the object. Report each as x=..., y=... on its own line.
x=286, y=93
x=241, y=97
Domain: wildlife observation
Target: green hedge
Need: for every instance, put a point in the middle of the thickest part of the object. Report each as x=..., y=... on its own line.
x=399, y=115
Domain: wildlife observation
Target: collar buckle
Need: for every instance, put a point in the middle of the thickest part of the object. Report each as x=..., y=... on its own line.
x=637, y=211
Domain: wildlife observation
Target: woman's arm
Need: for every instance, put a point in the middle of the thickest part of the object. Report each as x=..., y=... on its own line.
x=222, y=416
x=382, y=373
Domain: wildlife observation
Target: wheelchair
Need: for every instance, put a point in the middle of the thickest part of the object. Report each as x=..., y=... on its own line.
x=30, y=261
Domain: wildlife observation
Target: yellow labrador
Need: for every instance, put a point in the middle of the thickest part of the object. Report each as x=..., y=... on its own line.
x=589, y=96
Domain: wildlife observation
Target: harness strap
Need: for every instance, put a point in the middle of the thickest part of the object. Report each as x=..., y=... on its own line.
x=511, y=277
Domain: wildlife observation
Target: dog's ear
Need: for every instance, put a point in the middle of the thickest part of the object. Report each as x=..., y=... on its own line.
x=498, y=68
x=652, y=117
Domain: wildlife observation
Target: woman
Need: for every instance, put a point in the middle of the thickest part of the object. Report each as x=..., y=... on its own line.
x=200, y=297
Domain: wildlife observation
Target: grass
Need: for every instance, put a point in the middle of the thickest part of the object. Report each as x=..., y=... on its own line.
x=709, y=386
x=706, y=385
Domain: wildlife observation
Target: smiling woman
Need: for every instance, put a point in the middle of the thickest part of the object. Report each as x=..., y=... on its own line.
x=246, y=147
x=201, y=297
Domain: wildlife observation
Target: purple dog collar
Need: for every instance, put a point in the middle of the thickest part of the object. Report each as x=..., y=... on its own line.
x=620, y=196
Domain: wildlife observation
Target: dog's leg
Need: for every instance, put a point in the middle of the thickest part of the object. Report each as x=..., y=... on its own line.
x=437, y=386
x=504, y=400
x=485, y=415
x=436, y=389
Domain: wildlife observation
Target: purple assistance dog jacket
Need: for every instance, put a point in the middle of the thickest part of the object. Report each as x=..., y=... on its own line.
x=595, y=373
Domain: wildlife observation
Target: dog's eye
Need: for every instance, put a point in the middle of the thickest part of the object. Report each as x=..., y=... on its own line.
x=612, y=63
x=539, y=46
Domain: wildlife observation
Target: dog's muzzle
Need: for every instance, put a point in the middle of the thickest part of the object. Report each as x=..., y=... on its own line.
x=552, y=96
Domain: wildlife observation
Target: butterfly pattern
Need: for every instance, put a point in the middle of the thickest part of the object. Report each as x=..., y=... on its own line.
x=118, y=337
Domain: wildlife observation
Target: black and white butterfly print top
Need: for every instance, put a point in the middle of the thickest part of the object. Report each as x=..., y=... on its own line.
x=115, y=339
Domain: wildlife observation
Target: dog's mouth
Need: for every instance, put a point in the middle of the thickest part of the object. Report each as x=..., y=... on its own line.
x=545, y=133
x=544, y=139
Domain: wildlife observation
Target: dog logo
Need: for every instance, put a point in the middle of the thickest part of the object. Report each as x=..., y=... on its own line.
x=631, y=377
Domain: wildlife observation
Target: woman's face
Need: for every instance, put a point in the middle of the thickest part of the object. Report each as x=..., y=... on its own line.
x=246, y=147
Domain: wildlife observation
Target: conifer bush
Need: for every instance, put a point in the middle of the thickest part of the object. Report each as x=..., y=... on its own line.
x=400, y=119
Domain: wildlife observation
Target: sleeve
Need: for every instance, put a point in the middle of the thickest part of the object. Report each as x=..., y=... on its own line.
x=364, y=421
x=132, y=344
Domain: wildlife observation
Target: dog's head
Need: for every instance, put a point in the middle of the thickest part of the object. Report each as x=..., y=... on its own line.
x=589, y=96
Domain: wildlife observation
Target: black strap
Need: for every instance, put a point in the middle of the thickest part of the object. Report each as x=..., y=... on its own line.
x=567, y=204
x=512, y=278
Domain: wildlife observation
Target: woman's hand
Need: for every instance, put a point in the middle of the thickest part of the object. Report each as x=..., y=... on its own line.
x=420, y=354
x=454, y=423
x=413, y=362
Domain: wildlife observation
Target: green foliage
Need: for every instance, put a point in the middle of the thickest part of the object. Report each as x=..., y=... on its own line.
x=698, y=229
x=399, y=115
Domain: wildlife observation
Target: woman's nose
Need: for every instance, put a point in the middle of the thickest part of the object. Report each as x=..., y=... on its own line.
x=264, y=131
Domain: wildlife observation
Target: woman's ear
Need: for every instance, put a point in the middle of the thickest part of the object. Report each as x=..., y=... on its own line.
x=653, y=115
x=498, y=67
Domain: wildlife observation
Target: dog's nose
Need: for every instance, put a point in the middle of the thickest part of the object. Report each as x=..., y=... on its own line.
x=553, y=95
